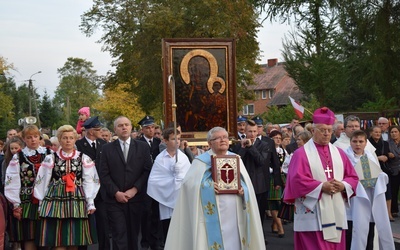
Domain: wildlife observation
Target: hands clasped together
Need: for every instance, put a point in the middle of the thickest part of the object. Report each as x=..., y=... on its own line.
x=123, y=197
x=333, y=186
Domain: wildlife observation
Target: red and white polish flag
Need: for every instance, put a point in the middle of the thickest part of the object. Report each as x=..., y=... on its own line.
x=297, y=108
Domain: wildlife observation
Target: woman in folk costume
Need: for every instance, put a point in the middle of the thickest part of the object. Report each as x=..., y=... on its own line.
x=320, y=181
x=66, y=185
x=19, y=182
x=275, y=195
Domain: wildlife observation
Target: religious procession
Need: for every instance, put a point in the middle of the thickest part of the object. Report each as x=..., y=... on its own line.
x=199, y=125
x=206, y=176
x=332, y=183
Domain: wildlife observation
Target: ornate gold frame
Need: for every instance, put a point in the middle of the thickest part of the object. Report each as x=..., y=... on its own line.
x=205, y=87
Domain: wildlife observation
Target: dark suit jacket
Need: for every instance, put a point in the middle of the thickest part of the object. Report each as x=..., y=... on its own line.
x=291, y=147
x=83, y=146
x=155, y=149
x=118, y=175
x=258, y=158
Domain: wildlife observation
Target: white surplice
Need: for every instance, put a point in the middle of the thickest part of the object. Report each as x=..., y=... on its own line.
x=369, y=205
x=188, y=230
x=165, y=180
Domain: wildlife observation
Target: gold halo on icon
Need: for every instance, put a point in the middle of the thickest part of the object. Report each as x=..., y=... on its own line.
x=184, y=69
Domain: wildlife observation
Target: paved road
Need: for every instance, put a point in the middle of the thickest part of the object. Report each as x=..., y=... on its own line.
x=286, y=243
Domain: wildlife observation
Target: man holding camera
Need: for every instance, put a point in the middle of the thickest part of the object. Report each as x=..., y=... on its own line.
x=258, y=157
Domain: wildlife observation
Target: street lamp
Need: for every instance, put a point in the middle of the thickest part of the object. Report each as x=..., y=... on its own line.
x=30, y=91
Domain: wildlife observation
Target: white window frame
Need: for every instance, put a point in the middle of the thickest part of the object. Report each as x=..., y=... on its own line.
x=270, y=93
x=246, y=109
x=264, y=94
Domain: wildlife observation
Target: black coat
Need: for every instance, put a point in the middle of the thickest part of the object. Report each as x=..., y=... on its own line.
x=291, y=147
x=118, y=175
x=381, y=148
x=155, y=149
x=83, y=146
x=257, y=159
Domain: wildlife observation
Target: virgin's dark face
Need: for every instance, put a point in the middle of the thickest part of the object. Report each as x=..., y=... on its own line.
x=199, y=71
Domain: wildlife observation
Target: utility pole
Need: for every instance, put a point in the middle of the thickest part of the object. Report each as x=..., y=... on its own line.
x=30, y=96
x=30, y=89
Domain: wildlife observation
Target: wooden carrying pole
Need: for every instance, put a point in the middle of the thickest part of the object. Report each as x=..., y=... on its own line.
x=171, y=83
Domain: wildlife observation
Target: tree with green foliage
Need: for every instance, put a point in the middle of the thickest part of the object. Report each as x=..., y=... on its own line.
x=7, y=119
x=133, y=30
x=79, y=87
x=7, y=106
x=346, y=53
x=49, y=115
x=286, y=114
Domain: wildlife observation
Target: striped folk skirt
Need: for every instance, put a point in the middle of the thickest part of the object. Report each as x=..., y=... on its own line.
x=25, y=229
x=64, y=220
x=66, y=232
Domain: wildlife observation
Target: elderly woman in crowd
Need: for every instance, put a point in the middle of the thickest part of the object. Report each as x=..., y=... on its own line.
x=19, y=183
x=66, y=186
x=394, y=163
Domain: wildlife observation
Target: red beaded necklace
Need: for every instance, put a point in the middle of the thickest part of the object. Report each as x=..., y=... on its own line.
x=67, y=158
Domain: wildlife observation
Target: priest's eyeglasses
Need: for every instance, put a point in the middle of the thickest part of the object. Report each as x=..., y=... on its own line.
x=324, y=130
x=220, y=138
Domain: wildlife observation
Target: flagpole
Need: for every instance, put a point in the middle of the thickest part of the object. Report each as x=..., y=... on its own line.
x=308, y=110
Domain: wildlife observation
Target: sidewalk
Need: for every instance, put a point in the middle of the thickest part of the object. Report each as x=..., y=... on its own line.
x=396, y=232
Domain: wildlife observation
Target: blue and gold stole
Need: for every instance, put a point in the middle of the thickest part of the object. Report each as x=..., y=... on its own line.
x=210, y=208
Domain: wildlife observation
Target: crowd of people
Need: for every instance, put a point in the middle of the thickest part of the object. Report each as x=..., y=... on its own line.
x=151, y=189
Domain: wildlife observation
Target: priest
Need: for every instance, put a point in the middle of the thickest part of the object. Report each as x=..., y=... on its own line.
x=320, y=182
x=204, y=218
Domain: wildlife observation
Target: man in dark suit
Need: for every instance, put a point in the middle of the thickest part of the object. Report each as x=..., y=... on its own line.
x=152, y=235
x=148, y=129
x=241, y=125
x=91, y=145
x=260, y=130
x=125, y=168
x=258, y=156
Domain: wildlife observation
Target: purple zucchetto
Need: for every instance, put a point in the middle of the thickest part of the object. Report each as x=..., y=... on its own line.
x=323, y=116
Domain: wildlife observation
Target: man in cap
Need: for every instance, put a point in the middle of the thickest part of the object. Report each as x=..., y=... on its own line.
x=260, y=130
x=241, y=126
x=320, y=181
x=151, y=225
x=91, y=145
x=148, y=129
x=259, y=122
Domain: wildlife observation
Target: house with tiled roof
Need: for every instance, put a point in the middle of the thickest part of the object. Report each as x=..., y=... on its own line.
x=273, y=86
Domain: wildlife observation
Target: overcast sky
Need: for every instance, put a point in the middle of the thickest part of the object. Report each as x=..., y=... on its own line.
x=40, y=35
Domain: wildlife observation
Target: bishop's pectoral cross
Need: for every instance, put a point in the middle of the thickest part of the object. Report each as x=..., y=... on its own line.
x=329, y=171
